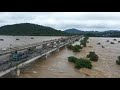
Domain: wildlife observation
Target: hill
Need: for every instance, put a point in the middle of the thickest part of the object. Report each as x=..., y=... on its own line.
x=28, y=29
x=74, y=31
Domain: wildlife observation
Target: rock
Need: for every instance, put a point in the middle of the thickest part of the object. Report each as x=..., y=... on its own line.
x=102, y=46
x=92, y=73
x=112, y=43
x=34, y=72
x=114, y=39
x=107, y=41
x=90, y=46
x=99, y=43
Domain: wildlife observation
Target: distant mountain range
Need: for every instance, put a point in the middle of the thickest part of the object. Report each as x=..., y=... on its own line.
x=108, y=33
x=28, y=29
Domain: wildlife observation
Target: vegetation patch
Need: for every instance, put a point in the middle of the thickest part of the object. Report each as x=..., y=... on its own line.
x=118, y=61
x=72, y=59
x=93, y=56
x=70, y=47
x=84, y=41
x=75, y=48
x=83, y=63
x=78, y=46
x=118, y=41
x=80, y=63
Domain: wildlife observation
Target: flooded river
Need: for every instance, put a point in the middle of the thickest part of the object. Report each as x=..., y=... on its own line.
x=10, y=41
x=57, y=65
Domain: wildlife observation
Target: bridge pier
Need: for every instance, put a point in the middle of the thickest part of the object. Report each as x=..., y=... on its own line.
x=46, y=55
x=58, y=50
x=17, y=72
x=65, y=46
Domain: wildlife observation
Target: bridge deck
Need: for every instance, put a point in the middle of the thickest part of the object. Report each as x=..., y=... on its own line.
x=12, y=65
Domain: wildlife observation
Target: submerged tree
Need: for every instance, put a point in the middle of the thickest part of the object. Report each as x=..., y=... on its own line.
x=93, y=56
x=118, y=61
x=72, y=59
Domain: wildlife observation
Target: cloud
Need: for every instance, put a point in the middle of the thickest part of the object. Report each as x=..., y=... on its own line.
x=65, y=20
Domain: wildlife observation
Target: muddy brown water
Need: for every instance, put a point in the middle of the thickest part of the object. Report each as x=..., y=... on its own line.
x=57, y=65
x=10, y=41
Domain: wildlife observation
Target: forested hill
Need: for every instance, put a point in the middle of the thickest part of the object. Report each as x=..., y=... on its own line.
x=28, y=29
x=75, y=31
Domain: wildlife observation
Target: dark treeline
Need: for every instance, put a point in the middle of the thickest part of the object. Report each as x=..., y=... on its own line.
x=27, y=29
x=109, y=33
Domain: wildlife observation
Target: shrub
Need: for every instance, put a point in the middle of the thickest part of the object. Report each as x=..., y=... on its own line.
x=90, y=54
x=72, y=59
x=86, y=38
x=76, y=49
x=79, y=46
x=118, y=41
x=118, y=61
x=83, y=63
x=112, y=43
x=70, y=47
x=82, y=42
x=93, y=56
x=107, y=41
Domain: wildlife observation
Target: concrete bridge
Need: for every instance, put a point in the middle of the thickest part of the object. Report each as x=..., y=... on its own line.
x=40, y=49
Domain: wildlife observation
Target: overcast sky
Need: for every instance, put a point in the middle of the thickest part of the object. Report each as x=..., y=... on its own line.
x=64, y=20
